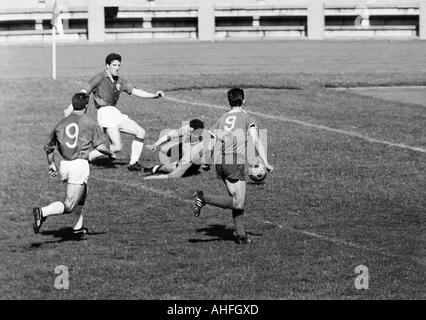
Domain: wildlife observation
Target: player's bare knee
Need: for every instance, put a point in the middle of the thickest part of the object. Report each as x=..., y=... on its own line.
x=238, y=202
x=239, y=206
x=116, y=147
x=70, y=205
x=140, y=134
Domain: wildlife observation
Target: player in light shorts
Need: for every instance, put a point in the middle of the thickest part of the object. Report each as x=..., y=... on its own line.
x=106, y=88
x=74, y=171
x=74, y=137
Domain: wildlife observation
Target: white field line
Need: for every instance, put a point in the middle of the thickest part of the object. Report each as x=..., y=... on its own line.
x=337, y=241
x=306, y=124
x=378, y=88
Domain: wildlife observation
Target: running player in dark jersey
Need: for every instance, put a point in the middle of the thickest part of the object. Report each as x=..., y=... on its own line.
x=229, y=144
x=74, y=137
x=106, y=88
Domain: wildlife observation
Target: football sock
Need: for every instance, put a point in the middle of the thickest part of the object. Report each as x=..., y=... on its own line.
x=54, y=208
x=225, y=202
x=78, y=211
x=137, y=147
x=238, y=216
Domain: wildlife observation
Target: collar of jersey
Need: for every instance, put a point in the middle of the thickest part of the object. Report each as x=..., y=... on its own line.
x=237, y=110
x=110, y=78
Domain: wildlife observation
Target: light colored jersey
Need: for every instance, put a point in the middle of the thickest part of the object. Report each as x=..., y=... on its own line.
x=75, y=136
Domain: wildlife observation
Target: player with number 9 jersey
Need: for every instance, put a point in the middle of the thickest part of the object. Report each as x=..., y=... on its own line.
x=75, y=136
x=231, y=132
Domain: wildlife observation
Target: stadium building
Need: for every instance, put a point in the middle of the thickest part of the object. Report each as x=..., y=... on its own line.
x=209, y=20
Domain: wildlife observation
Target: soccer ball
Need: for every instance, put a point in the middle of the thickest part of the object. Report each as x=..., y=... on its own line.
x=257, y=172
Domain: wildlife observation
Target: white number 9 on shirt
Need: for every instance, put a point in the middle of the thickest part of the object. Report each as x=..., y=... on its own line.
x=73, y=136
x=231, y=123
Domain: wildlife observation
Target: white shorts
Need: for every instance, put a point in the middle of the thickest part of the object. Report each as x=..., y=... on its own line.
x=110, y=117
x=75, y=171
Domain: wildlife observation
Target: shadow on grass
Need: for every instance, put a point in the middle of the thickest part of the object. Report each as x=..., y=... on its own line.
x=256, y=183
x=108, y=163
x=219, y=232
x=63, y=235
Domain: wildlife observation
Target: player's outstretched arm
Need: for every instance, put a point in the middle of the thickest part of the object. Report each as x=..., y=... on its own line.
x=147, y=95
x=260, y=148
x=164, y=138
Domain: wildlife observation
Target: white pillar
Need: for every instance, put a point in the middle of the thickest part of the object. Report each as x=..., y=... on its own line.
x=422, y=19
x=96, y=21
x=39, y=24
x=316, y=19
x=206, y=20
x=147, y=22
x=256, y=21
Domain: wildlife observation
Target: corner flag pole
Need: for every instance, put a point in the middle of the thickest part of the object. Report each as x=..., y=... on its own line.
x=53, y=53
x=55, y=14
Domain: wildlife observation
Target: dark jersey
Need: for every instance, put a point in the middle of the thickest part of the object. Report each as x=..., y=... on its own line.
x=105, y=91
x=75, y=136
x=231, y=132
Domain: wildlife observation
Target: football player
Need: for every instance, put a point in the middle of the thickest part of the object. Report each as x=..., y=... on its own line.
x=181, y=152
x=229, y=139
x=74, y=137
x=106, y=88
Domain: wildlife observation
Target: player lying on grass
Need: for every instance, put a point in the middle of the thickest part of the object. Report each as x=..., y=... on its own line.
x=106, y=88
x=229, y=140
x=74, y=137
x=180, y=152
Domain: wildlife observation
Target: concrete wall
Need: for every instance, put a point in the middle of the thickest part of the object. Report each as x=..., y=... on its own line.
x=25, y=4
x=209, y=12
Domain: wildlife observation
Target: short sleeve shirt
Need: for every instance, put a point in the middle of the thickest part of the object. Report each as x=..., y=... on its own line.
x=105, y=91
x=75, y=136
x=231, y=132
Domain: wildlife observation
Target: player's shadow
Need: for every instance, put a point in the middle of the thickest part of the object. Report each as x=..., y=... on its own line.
x=256, y=183
x=108, y=163
x=218, y=232
x=62, y=235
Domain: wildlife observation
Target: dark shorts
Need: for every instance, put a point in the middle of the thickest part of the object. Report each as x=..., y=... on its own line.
x=192, y=170
x=231, y=172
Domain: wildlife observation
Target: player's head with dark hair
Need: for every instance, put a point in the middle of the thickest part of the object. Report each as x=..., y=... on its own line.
x=196, y=124
x=80, y=101
x=112, y=57
x=197, y=127
x=235, y=97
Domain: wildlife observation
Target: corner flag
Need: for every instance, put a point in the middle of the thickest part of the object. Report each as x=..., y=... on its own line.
x=56, y=21
x=55, y=13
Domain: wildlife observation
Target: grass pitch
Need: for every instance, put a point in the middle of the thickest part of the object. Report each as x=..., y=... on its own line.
x=348, y=187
